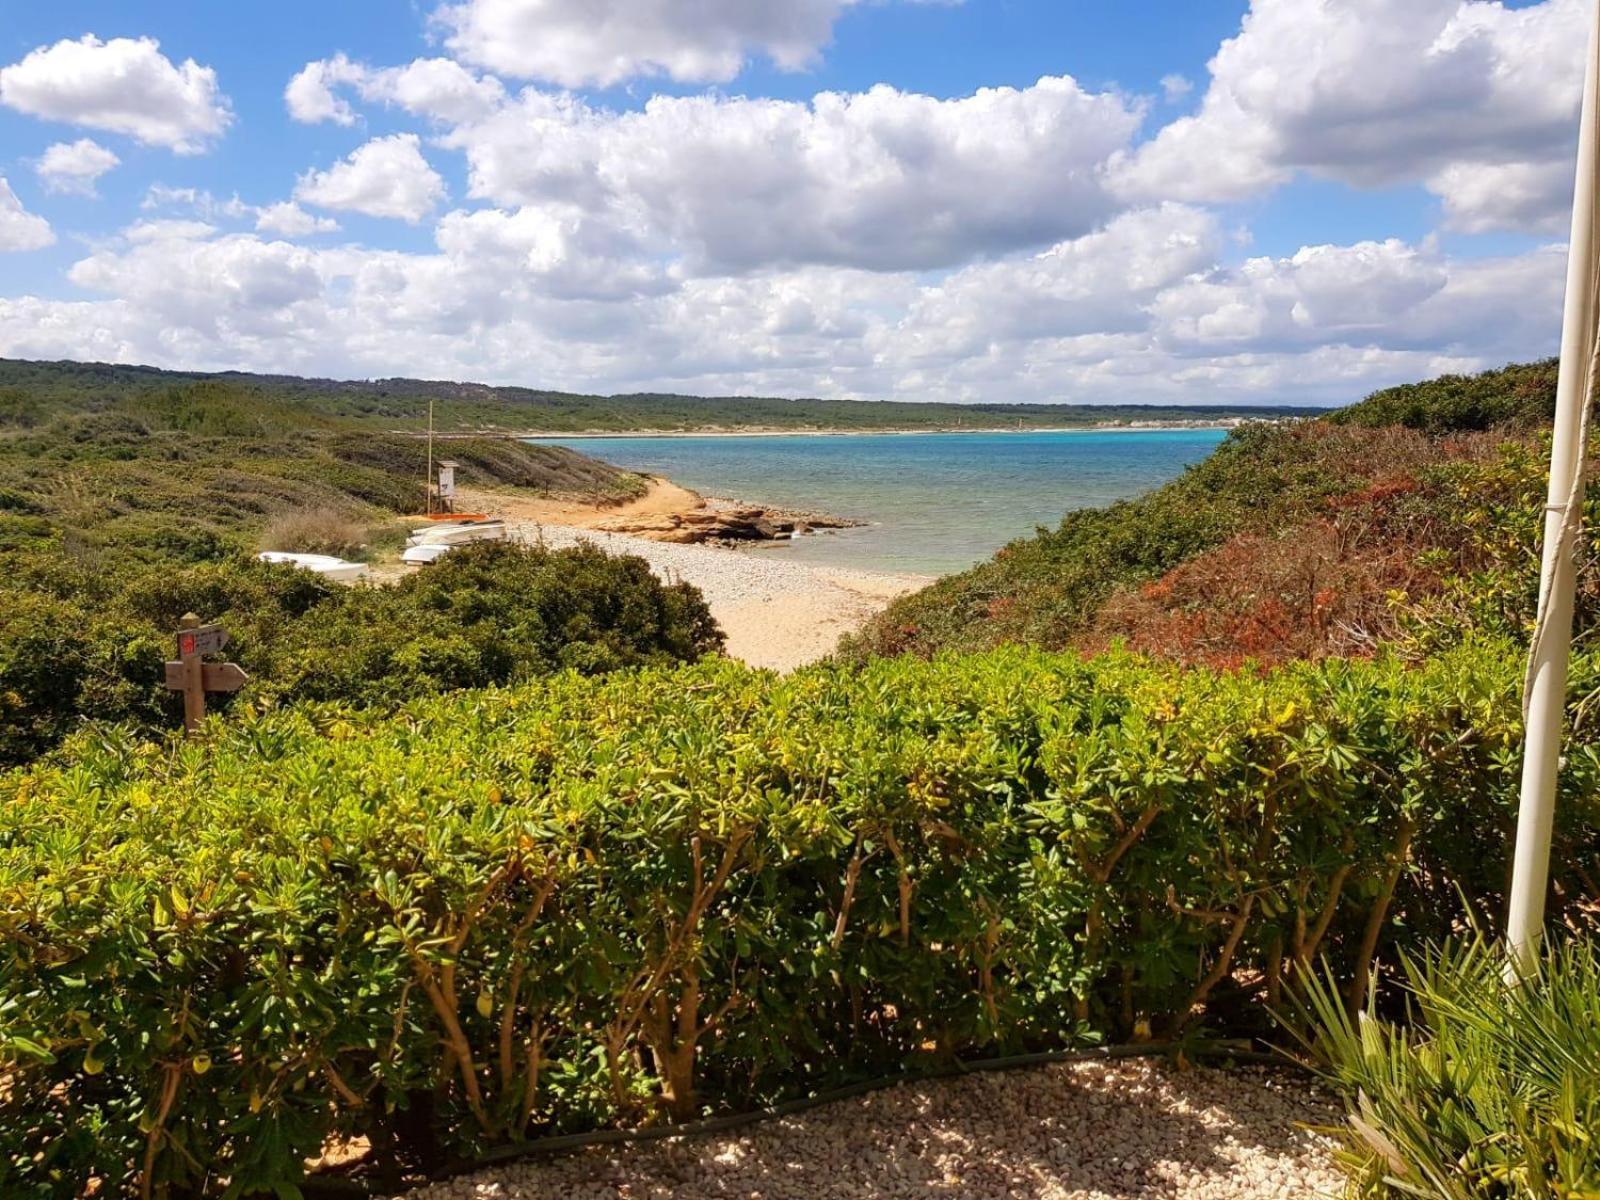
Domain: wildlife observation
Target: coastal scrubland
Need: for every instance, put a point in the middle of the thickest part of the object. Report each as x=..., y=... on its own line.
x=1383, y=522
x=118, y=514
x=1165, y=774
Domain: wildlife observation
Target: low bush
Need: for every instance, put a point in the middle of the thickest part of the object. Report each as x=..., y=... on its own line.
x=1518, y=397
x=1484, y=1091
x=593, y=902
x=489, y=613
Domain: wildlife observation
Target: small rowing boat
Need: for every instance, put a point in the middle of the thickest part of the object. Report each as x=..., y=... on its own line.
x=458, y=533
x=425, y=554
x=325, y=565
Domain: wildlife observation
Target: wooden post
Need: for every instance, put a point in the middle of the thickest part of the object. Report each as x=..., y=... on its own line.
x=190, y=674
x=194, y=678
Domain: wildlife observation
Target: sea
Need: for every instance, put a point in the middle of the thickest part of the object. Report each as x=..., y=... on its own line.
x=933, y=502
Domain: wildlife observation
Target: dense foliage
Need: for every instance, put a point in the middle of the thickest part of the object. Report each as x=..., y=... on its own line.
x=404, y=403
x=590, y=901
x=75, y=646
x=121, y=509
x=1518, y=397
x=1484, y=1091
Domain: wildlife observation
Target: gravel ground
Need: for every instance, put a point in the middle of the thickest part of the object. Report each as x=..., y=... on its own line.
x=1080, y=1131
x=776, y=613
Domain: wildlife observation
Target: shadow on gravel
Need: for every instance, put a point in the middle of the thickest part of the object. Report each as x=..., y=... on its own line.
x=1107, y=1131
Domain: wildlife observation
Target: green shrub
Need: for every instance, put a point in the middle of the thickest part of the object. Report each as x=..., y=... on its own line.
x=490, y=613
x=592, y=902
x=1521, y=397
x=79, y=645
x=1484, y=1091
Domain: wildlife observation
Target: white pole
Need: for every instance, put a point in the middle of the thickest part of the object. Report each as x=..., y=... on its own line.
x=1545, y=697
x=427, y=479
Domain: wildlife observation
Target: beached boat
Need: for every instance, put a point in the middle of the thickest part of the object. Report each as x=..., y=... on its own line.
x=426, y=554
x=458, y=533
x=325, y=565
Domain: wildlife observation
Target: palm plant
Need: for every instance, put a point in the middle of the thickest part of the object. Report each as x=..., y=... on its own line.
x=1484, y=1090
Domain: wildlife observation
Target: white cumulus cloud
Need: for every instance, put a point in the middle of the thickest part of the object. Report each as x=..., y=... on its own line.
x=577, y=43
x=1101, y=283
x=1141, y=309
x=1373, y=93
x=19, y=228
x=1389, y=294
x=125, y=85
x=75, y=167
x=882, y=179
x=288, y=219
x=386, y=177
x=436, y=88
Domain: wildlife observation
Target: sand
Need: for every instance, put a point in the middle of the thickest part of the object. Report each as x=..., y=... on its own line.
x=777, y=613
x=662, y=498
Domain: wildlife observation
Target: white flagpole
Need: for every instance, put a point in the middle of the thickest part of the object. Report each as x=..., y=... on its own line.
x=1545, y=694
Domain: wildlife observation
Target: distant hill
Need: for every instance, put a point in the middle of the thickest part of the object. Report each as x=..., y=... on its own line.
x=192, y=469
x=403, y=403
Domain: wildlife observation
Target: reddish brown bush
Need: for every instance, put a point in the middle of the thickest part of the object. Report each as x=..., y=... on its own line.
x=1333, y=584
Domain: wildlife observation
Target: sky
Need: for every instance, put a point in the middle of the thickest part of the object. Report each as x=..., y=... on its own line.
x=1169, y=201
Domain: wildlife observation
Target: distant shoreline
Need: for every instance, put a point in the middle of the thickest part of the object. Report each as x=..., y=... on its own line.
x=555, y=435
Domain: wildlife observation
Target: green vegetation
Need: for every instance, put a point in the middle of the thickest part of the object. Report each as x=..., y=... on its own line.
x=190, y=473
x=31, y=387
x=595, y=901
x=1290, y=541
x=121, y=512
x=1483, y=1090
x=77, y=645
x=380, y=900
x=1521, y=396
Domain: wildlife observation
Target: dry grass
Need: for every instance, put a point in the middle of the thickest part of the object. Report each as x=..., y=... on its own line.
x=315, y=531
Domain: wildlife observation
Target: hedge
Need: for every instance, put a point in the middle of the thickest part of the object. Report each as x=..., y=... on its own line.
x=643, y=897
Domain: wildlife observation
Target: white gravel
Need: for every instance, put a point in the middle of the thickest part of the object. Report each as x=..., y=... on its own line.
x=1081, y=1131
x=777, y=613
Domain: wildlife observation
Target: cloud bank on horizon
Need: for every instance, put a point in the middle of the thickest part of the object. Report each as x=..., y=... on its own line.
x=722, y=196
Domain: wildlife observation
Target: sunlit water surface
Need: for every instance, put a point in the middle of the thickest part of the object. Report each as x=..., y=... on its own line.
x=935, y=502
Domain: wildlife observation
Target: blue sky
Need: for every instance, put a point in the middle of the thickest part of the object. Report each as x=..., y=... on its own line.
x=983, y=200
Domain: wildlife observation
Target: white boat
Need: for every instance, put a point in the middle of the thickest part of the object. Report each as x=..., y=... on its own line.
x=423, y=555
x=325, y=565
x=458, y=533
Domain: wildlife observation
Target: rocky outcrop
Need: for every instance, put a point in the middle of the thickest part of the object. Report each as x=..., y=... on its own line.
x=724, y=522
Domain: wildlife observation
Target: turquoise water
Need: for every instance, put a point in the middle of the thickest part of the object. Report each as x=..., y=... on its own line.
x=936, y=502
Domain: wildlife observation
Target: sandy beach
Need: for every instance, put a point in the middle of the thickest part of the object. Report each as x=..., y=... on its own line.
x=777, y=614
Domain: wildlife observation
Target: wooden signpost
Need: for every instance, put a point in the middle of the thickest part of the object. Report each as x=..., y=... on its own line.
x=194, y=677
